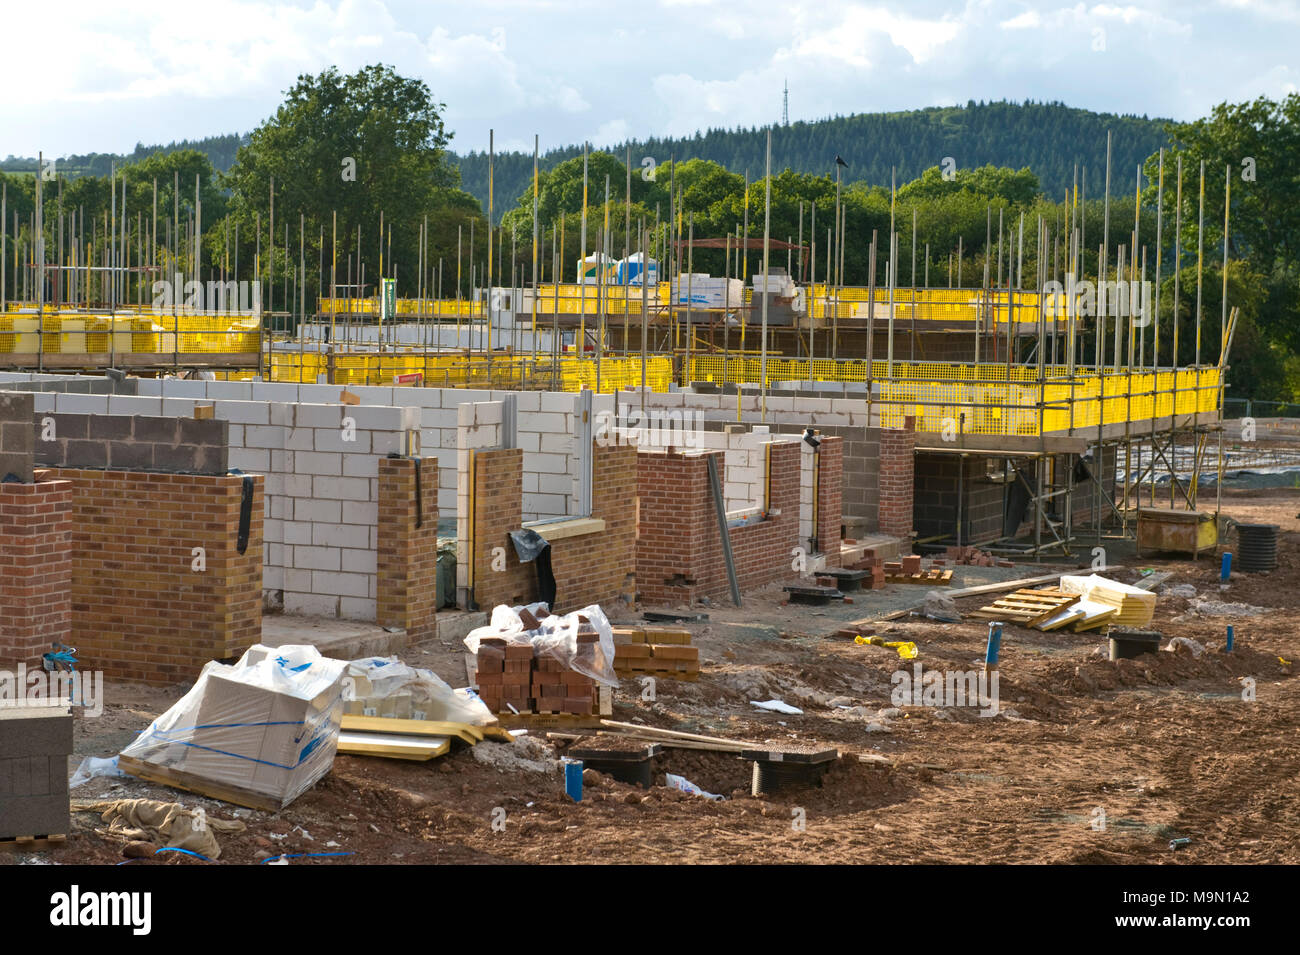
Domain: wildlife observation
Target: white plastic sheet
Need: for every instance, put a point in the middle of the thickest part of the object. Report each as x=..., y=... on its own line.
x=556, y=636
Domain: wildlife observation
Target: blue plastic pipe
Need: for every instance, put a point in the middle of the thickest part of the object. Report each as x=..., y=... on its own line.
x=994, y=647
x=573, y=779
x=1228, y=647
x=1226, y=568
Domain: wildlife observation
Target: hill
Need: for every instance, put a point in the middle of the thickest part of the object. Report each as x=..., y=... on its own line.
x=1049, y=138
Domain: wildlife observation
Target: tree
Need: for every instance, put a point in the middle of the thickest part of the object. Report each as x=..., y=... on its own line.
x=361, y=145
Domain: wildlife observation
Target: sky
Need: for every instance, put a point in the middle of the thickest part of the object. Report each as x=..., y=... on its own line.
x=154, y=71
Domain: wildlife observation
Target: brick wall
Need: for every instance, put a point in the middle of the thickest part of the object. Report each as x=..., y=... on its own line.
x=897, y=453
x=679, y=548
x=139, y=609
x=35, y=570
x=589, y=568
x=830, y=476
x=408, y=554
x=599, y=568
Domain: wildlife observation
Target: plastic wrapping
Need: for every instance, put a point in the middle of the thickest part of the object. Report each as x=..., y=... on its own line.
x=391, y=688
x=268, y=724
x=556, y=636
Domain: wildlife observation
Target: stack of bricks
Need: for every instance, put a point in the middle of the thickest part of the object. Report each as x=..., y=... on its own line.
x=876, y=565
x=974, y=557
x=515, y=676
x=655, y=651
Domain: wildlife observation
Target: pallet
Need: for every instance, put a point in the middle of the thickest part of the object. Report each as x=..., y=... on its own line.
x=548, y=721
x=177, y=779
x=33, y=843
x=934, y=577
x=1027, y=607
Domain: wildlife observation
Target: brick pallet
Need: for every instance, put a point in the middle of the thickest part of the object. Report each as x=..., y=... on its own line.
x=655, y=651
x=515, y=679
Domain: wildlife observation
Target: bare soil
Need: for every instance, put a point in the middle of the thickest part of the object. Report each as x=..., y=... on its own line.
x=1163, y=746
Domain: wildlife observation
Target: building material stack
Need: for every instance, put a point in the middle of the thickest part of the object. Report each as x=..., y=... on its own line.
x=515, y=677
x=655, y=651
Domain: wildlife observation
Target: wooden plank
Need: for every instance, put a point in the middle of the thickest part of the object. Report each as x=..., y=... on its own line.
x=388, y=724
x=195, y=784
x=33, y=843
x=660, y=733
x=393, y=745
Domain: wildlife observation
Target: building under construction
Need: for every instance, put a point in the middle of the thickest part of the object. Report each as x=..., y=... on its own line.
x=1041, y=414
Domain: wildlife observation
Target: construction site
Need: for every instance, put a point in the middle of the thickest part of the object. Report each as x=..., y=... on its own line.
x=638, y=563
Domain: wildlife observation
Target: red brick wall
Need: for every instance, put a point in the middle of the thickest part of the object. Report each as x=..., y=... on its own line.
x=830, y=490
x=35, y=570
x=139, y=612
x=897, y=452
x=590, y=568
x=679, y=549
x=408, y=555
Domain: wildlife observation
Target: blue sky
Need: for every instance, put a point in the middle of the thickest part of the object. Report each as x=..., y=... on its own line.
x=157, y=70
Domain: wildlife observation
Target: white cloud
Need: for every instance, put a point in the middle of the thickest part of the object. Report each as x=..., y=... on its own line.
x=155, y=70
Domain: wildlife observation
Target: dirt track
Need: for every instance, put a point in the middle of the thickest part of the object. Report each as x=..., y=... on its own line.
x=1165, y=746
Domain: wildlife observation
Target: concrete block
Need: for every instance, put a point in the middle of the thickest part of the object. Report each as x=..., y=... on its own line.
x=316, y=558
x=373, y=394
x=555, y=443
x=383, y=443
x=360, y=561
x=351, y=438
x=547, y=463
x=263, y=436
x=360, y=512
x=252, y=460
x=340, y=584
x=321, y=416
x=296, y=532
x=360, y=465
x=227, y=390
x=313, y=462
x=555, y=401
x=306, y=509
x=542, y=422
x=82, y=404
x=312, y=605
x=357, y=608
x=299, y=439
x=243, y=412
x=340, y=488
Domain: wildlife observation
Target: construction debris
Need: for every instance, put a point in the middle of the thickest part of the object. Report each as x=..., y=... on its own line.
x=1027, y=607
x=163, y=823
x=1135, y=606
x=974, y=557
x=259, y=733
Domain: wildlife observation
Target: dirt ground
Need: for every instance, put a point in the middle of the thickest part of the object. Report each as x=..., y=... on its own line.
x=1165, y=746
